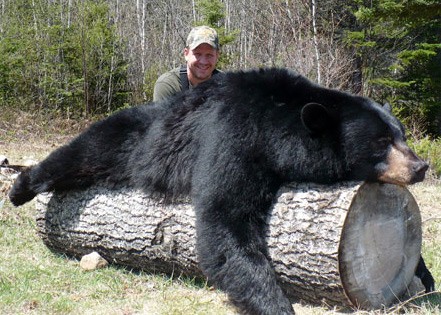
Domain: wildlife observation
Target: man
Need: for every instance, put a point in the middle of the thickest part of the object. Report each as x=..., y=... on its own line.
x=201, y=55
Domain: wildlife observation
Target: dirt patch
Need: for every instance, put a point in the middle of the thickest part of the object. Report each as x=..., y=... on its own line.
x=25, y=136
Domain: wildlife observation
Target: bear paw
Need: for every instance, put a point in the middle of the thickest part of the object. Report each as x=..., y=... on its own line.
x=21, y=192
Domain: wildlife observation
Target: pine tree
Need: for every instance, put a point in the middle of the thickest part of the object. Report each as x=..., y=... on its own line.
x=399, y=44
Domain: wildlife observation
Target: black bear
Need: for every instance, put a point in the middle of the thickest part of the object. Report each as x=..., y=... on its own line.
x=230, y=144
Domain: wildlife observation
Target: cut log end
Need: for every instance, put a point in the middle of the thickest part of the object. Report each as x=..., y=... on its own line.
x=380, y=245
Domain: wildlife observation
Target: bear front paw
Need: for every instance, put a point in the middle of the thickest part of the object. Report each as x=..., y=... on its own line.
x=20, y=192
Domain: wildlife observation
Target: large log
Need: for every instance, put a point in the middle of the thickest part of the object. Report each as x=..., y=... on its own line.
x=350, y=244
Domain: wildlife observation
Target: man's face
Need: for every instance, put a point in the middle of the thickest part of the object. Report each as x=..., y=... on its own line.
x=201, y=62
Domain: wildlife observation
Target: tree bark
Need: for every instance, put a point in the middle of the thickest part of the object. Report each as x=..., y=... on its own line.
x=350, y=244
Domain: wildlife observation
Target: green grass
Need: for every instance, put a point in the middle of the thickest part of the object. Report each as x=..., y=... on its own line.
x=431, y=213
x=431, y=304
x=34, y=280
x=432, y=256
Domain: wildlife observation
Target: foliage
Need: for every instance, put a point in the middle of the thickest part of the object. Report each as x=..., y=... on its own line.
x=101, y=66
x=399, y=43
x=150, y=77
x=429, y=150
x=69, y=67
x=212, y=12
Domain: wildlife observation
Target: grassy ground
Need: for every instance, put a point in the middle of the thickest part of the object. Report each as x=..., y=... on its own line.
x=34, y=280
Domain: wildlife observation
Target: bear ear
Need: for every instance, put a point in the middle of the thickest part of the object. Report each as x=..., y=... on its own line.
x=316, y=118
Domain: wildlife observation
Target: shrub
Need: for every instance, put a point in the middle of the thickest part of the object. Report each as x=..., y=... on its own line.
x=429, y=150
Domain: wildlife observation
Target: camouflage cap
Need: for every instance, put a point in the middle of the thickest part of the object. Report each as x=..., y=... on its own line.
x=202, y=35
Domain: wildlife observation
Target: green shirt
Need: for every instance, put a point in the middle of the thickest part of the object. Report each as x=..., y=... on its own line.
x=170, y=83
x=167, y=85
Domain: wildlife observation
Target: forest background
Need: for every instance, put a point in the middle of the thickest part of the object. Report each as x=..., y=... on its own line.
x=83, y=58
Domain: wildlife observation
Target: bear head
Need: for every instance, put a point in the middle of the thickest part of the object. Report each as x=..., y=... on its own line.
x=372, y=140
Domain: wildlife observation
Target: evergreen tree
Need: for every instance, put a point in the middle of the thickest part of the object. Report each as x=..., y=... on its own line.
x=399, y=44
x=66, y=62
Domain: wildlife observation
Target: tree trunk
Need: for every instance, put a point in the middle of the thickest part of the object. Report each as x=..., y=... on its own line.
x=350, y=244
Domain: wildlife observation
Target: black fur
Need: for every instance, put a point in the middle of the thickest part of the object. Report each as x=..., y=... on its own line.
x=426, y=277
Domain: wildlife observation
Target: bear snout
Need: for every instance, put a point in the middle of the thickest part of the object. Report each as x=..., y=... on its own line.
x=419, y=171
x=403, y=167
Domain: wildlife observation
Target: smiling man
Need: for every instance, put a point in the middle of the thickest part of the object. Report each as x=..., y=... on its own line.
x=201, y=55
